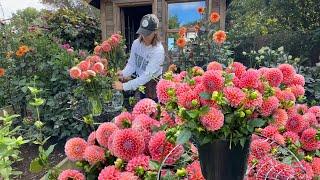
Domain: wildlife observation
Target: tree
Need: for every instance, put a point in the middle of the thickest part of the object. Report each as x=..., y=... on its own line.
x=174, y=22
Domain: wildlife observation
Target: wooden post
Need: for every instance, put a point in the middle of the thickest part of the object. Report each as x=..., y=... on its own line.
x=154, y=7
x=103, y=19
x=223, y=10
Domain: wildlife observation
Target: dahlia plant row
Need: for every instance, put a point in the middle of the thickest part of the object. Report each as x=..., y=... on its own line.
x=228, y=103
x=96, y=72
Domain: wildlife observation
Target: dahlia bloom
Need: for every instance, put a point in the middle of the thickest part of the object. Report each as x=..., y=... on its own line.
x=84, y=65
x=259, y=148
x=213, y=80
x=194, y=171
x=274, y=76
x=128, y=176
x=269, y=106
x=74, y=72
x=316, y=166
x=104, y=131
x=288, y=72
x=219, y=37
x=145, y=106
x=214, y=65
x=71, y=174
x=187, y=100
x=143, y=121
x=92, y=138
x=214, y=17
x=291, y=137
x=139, y=161
x=74, y=148
x=109, y=173
x=280, y=117
x=234, y=95
x=309, y=141
x=296, y=123
x=128, y=143
x=237, y=68
x=269, y=131
x=94, y=154
x=98, y=67
x=298, y=79
x=250, y=79
x=123, y=120
x=213, y=120
x=162, y=89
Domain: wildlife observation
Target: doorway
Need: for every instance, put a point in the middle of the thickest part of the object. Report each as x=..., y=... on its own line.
x=130, y=21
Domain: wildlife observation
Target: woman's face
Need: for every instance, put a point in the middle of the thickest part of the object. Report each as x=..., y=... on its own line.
x=148, y=39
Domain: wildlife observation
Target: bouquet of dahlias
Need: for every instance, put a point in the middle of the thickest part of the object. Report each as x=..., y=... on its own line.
x=134, y=146
x=97, y=72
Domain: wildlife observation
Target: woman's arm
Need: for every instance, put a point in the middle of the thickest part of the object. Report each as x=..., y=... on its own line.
x=130, y=67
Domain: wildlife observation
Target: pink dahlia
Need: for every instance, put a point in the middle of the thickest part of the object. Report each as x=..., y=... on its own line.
x=106, y=47
x=197, y=71
x=251, y=103
x=214, y=65
x=84, y=75
x=166, y=119
x=296, y=123
x=274, y=76
x=109, y=173
x=143, y=121
x=263, y=71
x=74, y=149
x=280, y=117
x=290, y=136
x=98, y=67
x=94, y=154
x=97, y=50
x=75, y=73
x=316, y=111
x=213, y=80
x=159, y=148
x=92, y=138
x=163, y=88
x=139, y=161
x=194, y=171
x=104, y=131
x=128, y=176
x=305, y=172
x=250, y=79
x=110, y=142
x=281, y=171
x=316, y=166
x=213, y=120
x=182, y=88
x=309, y=141
x=189, y=100
x=145, y=106
x=297, y=80
x=123, y=120
x=269, y=131
x=279, y=139
x=71, y=174
x=234, y=95
x=84, y=65
x=236, y=68
x=269, y=106
x=310, y=118
x=297, y=90
x=197, y=79
x=128, y=143
x=288, y=72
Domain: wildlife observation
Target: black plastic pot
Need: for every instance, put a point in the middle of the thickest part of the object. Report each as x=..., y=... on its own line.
x=219, y=162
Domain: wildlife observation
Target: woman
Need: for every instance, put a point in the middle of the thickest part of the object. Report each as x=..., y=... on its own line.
x=146, y=59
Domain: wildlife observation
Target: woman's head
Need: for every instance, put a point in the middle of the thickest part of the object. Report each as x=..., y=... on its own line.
x=148, y=29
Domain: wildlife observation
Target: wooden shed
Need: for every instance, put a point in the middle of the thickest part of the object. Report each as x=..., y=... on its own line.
x=125, y=16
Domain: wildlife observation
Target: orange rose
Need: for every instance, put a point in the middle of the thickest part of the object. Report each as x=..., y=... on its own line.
x=182, y=31
x=219, y=37
x=2, y=72
x=181, y=42
x=200, y=10
x=214, y=17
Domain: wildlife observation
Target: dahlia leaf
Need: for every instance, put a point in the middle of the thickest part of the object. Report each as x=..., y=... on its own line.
x=184, y=136
x=35, y=166
x=193, y=114
x=287, y=160
x=256, y=123
x=205, y=95
x=154, y=165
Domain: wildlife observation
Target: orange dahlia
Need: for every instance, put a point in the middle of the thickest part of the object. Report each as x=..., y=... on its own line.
x=200, y=10
x=182, y=31
x=2, y=72
x=20, y=53
x=24, y=48
x=181, y=42
x=214, y=17
x=219, y=37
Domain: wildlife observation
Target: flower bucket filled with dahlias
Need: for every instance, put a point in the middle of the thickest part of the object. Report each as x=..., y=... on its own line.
x=97, y=72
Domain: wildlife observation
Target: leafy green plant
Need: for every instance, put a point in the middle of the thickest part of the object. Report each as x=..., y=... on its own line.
x=10, y=144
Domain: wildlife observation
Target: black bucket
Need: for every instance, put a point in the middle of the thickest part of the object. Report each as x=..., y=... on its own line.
x=219, y=162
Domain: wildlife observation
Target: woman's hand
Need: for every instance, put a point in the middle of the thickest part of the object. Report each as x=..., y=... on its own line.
x=120, y=75
x=117, y=85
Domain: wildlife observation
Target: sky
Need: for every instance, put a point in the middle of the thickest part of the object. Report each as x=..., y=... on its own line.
x=186, y=12
x=7, y=7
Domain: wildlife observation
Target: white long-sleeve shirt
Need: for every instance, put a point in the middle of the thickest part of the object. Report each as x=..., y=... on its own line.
x=145, y=61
